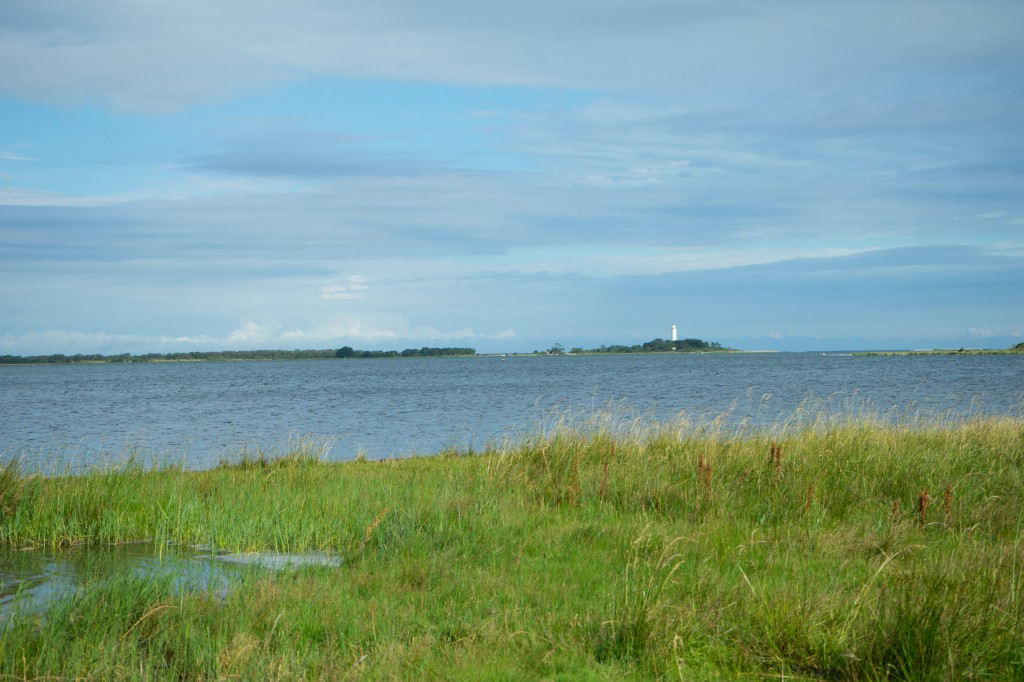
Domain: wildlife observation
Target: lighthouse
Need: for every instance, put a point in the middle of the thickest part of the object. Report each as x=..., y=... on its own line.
x=673, y=333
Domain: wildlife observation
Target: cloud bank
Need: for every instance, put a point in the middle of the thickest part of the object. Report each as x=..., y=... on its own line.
x=791, y=175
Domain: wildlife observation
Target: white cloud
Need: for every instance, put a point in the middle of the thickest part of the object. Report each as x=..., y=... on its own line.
x=354, y=287
x=17, y=196
x=71, y=341
x=386, y=328
x=981, y=332
x=53, y=341
x=11, y=156
x=390, y=331
x=250, y=333
x=348, y=329
x=158, y=56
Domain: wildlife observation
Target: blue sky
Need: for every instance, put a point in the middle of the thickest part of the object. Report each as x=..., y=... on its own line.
x=391, y=174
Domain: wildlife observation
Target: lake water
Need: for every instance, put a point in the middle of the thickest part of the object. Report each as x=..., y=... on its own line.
x=196, y=414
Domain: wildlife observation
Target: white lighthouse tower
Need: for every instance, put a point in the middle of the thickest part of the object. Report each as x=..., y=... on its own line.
x=673, y=333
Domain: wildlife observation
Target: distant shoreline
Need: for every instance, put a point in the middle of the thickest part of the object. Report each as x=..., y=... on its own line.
x=16, y=361
x=270, y=356
x=346, y=353
x=941, y=351
x=343, y=353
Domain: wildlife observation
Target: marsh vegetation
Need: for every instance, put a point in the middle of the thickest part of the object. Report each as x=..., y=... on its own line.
x=839, y=548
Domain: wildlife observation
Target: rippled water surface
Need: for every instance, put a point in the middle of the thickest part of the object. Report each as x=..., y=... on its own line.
x=198, y=413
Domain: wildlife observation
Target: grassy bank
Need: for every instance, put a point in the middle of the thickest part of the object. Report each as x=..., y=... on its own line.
x=845, y=550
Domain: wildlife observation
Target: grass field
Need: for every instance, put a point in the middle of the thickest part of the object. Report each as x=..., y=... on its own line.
x=600, y=549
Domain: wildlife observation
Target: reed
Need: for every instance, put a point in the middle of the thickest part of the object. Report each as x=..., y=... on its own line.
x=599, y=547
x=923, y=500
x=704, y=475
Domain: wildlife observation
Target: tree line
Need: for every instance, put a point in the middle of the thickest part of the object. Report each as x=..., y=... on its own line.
x=655, y=346
x=661, y=345
x=425, y=352
x=197, y=356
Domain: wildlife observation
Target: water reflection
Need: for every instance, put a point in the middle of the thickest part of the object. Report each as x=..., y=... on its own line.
x=32, y=579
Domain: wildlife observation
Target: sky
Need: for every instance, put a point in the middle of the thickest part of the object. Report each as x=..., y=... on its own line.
x=389, y=174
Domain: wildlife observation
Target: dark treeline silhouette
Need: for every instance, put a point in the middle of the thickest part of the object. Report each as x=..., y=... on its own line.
x=348, y=352
x=661, y=345
x=344, y=352
x=655, y=346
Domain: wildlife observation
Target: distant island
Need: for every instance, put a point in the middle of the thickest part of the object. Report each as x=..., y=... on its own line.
x=655, y=346
x=1019, y=348
x=345, y=352
x=349, y=353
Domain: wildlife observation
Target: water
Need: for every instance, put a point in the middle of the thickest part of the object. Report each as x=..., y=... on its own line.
x=196, y=414
x=32, y=579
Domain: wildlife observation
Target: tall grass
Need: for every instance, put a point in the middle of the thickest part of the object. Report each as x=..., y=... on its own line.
x=845, y=548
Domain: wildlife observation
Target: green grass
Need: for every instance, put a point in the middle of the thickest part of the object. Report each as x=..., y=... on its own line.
x=594, y=550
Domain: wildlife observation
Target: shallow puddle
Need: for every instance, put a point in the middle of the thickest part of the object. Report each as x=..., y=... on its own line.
x=32, y=579
x=279, y=561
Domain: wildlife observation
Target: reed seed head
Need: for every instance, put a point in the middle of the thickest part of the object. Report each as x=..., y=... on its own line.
x=922, y=506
